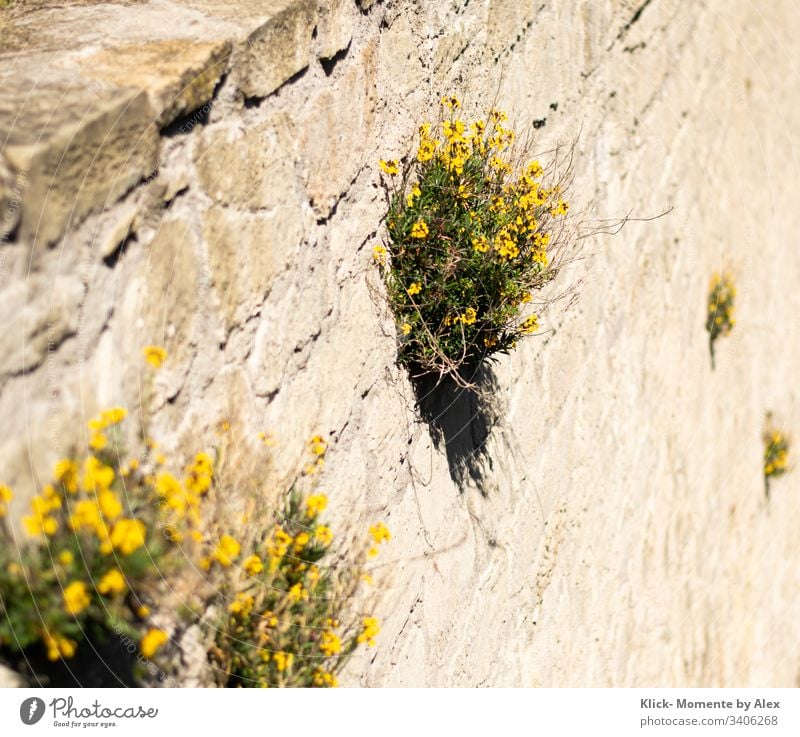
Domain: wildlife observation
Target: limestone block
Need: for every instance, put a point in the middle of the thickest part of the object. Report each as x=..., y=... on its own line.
x=119, y=229
x=10, y=202
x=334, y=129
x=246, y=252
x=74, y=149
x=172, y=290
x=335, y=26
x=249, y=168
x=37, y=315
x=178, y=75
x=10, y=678
x=278, y=48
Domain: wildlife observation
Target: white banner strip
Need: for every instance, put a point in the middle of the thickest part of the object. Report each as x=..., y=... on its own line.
x=390, y=712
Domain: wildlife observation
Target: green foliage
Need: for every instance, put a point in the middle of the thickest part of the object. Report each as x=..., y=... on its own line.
x=289, y=618
x=95, y=552
x=471, y=238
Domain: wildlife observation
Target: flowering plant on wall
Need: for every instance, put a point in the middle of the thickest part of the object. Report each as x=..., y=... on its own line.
x=291, y=614
x=97, y=541
x=474, y=231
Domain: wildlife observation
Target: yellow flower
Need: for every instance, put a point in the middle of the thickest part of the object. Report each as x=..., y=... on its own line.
x=96, y=475
x=323, y=535
x=36, y=526
x=76, y=598
x=115, y=415
x=57, y=646
x=380, y=532
x=530, y=325
x=85, y=515
x=469, y=316
x=405, y=328
x=330, y=644
x=243, y=604
x=324, y=679
x=283, y=661
x=227, y=550
x=297, y=592
x=128, y=535
x=112, y=582
x=561, y=208
x=300, y=542
x=480, y=244
x=66, y=473
x=109, y=504
x=253, y=565
x=379, y=253
x=318, y=445
x=6, y=495
x=389, y=167
x=154, y=355
x=368, y=634
x=534, y=169
x=426, y=151
x=413, y=195
x=415, y=288
x=419, y=229
x=315, y=504
x=152, y=641
x=200, y=473
x=452, y=102
x=65, y=557
x=143, y=612
x=98, y=441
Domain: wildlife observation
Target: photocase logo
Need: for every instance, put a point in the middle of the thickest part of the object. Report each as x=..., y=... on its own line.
x=31, y=710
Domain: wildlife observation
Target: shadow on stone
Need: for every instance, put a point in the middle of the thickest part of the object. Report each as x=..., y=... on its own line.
x=103, y=660
x=461, y=420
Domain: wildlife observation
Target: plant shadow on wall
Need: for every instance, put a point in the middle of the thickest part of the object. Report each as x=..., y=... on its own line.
x=475, y=231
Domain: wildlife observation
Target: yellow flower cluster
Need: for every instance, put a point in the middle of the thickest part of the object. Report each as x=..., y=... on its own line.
x=389, y=167
x=227, y=550
x=57, y=646
x=721, y=298
x=530, y=324
x=112, y=582
x=420, y=229
x=776, y=453
x=369, y=632
x=324, y=679
x=474, y=226
x=330, y=643
x=107, y=419
x=379, y=533
x=290, y=604
x=76, y=598
x=315, y=505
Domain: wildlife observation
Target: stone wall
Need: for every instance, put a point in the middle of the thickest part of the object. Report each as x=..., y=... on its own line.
x=203, y=175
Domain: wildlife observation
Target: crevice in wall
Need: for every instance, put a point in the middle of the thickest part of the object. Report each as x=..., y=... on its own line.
x=329, y=64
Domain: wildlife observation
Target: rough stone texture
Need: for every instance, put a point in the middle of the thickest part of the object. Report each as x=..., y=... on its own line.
x=178, y=75
x=620, y=536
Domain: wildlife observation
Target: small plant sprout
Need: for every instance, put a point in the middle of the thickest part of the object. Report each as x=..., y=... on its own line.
x=719, y=319
x=776, y=453
x=475, y=228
